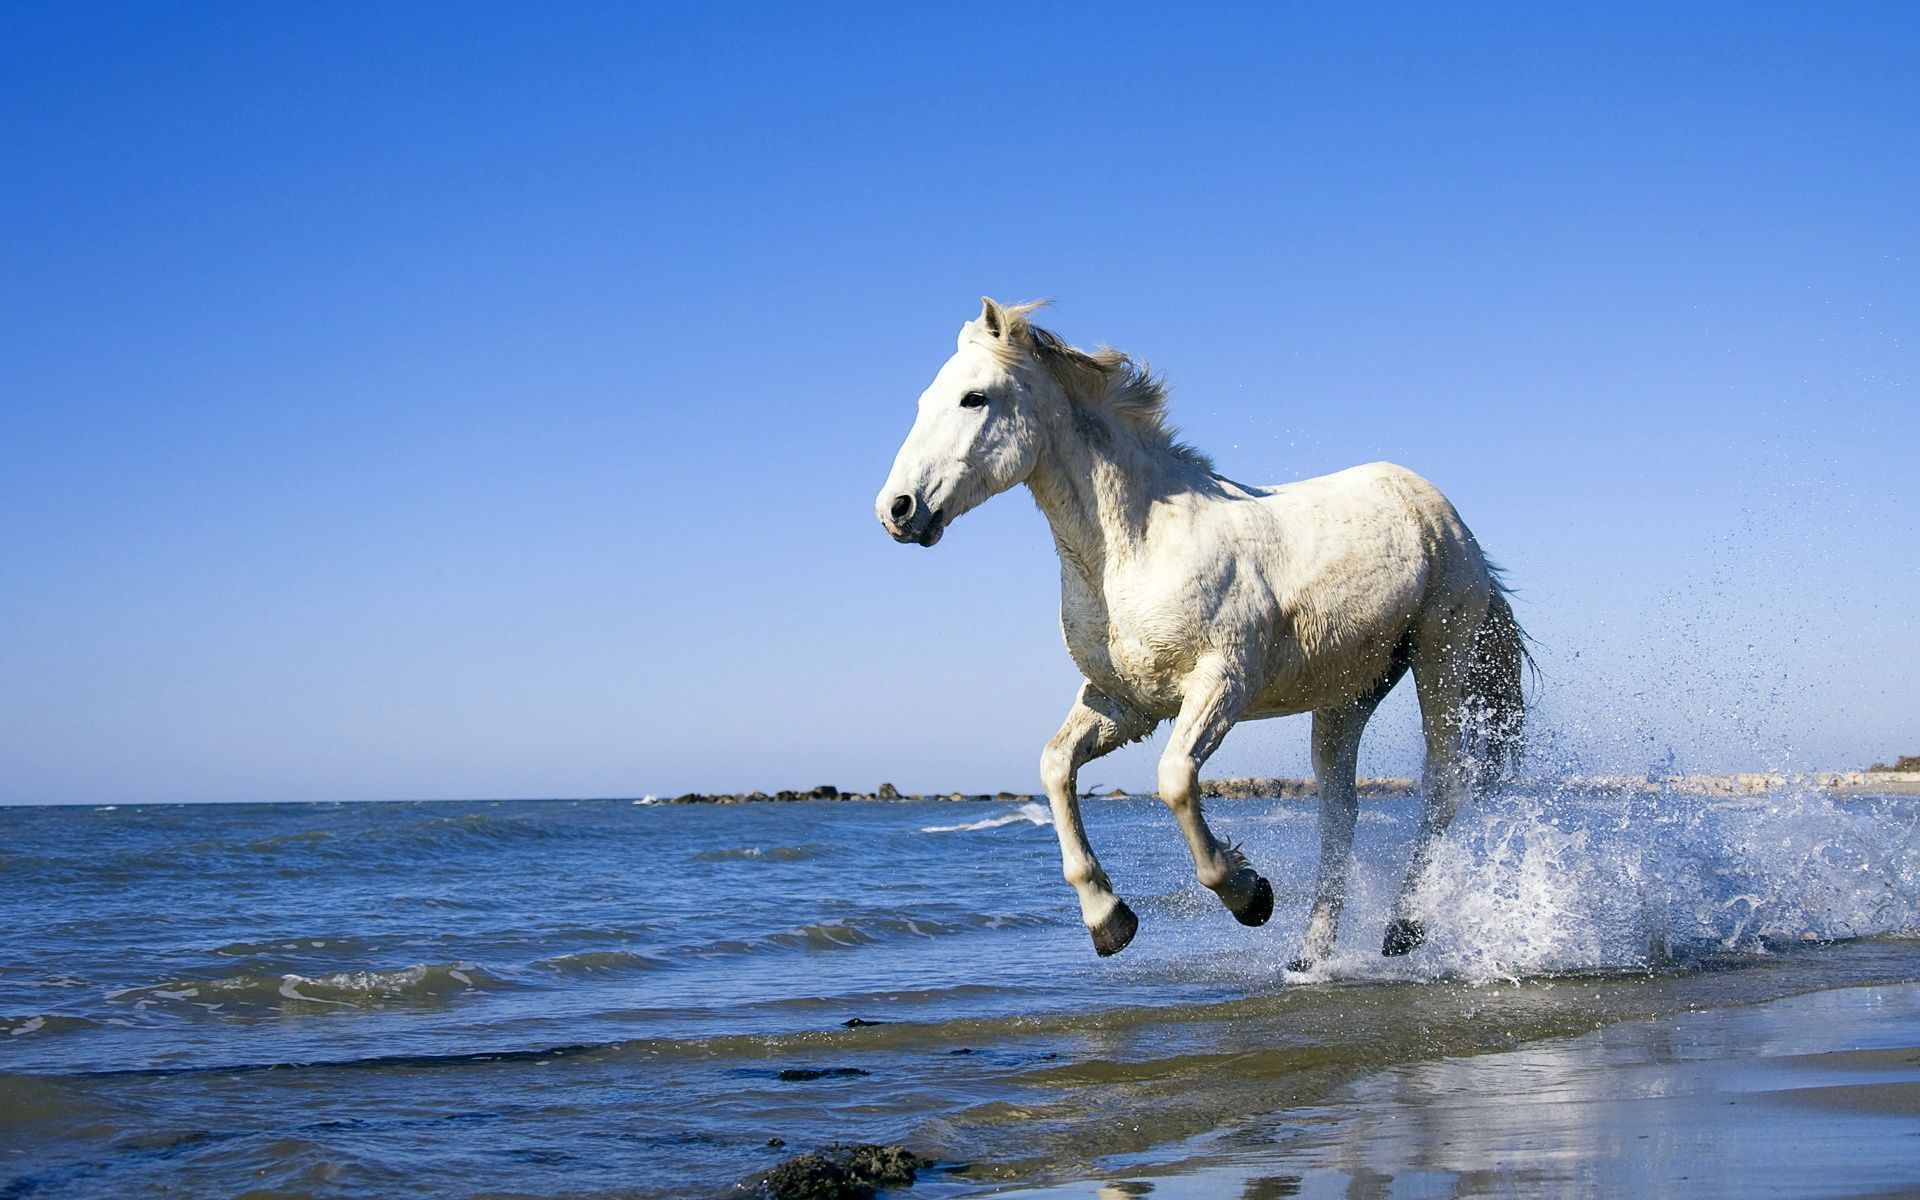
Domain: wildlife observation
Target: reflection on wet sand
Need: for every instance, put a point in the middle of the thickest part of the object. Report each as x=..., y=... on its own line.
x=1815, y=1095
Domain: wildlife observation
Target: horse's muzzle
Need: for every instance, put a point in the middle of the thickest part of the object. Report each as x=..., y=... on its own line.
x=919, y=533
x=907, y=520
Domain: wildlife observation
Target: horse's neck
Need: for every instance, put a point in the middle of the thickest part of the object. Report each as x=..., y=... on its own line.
x=1097, y=491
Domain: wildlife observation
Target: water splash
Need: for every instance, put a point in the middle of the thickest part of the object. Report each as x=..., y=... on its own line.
x=1556, y=881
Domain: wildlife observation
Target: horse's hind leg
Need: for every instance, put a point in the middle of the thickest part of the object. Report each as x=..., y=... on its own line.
x=1336, y=757
x=1212, y=704
x=1440, y=680
x=1095, y=726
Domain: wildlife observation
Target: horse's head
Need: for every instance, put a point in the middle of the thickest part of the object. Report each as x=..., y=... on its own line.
x=978, y=432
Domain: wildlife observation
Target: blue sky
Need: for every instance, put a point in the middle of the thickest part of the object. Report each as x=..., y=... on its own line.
x=414, y=401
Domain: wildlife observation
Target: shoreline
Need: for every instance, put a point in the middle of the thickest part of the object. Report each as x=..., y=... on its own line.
x=1726, y=786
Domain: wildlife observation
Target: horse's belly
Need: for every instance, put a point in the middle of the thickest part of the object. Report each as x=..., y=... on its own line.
x=1131, y=670
x=1300, y=680
x=1290, y=697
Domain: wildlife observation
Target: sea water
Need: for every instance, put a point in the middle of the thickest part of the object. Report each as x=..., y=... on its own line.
x=604, y=998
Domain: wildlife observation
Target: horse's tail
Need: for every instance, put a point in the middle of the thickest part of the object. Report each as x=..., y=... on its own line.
x=1496, y=707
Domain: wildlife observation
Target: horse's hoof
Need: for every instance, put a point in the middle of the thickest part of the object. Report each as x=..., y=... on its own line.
x=1111, y=936
x=1300, y=966
x=1402, y=936
x=1259, y=908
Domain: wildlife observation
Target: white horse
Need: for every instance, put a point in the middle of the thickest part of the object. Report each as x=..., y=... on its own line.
x=1187, y=596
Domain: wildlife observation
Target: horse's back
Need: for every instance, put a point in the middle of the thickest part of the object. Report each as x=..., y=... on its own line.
x=1367, y=525
x=1353, y=560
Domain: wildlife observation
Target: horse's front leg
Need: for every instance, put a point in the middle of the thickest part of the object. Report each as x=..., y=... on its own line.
x=1095, y=726
x=1214, y=697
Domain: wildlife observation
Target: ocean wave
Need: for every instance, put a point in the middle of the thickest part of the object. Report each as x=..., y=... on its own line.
x=264, y=847
x=601, y=962
x=45, y=1025
x=853, y=934
x=1030, y=812
x=798, y=853
x=252, y=994
x=435, y=835
x=330, y=943
x=424, y=831
x=373, y=1062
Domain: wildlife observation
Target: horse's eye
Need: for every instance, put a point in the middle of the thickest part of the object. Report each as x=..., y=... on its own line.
x=973, y=400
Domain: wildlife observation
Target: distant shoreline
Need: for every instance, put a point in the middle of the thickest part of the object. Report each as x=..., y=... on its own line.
x=1837, y=783
x=1898, y=783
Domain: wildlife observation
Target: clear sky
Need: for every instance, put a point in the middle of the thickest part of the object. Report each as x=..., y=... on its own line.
x=488, y=400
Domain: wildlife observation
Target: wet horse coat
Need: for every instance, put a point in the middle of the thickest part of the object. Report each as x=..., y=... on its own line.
x=1191, y=598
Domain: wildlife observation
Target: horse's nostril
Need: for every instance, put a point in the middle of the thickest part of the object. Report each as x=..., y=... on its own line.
x=902, y=507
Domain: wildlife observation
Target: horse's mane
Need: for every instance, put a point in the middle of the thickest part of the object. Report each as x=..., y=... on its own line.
x=1104, y=379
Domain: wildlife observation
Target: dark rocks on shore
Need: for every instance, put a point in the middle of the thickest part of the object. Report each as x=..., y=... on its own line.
x=1214, y=789
x=1298, y=789
x=843, y=1171
x=781, y=797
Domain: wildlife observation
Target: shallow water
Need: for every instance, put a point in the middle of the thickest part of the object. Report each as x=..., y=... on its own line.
x=604, y=998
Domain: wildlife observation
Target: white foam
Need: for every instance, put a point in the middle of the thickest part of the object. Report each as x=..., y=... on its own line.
x=290, y=989
x=1030, y=812
x=1541, y=883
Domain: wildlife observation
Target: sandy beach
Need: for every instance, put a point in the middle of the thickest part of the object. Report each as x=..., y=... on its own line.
x=1813, y=1095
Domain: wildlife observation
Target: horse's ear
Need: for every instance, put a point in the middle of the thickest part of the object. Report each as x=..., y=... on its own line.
x=993, y=318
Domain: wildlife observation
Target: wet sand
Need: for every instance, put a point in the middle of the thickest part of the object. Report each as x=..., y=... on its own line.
x=1810, y=1096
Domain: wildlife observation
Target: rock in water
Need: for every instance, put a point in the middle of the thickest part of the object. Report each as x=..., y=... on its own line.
x=883, y=1166
x=843, y=1171
x=809, y=1074
x=810, y=1177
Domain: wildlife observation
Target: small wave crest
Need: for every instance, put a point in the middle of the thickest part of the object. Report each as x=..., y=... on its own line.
x=1031, y=812
x=249, y=994
x=327, y=943
x=273, y=844
x=798, y=853
x=45, y=1025
x=600, y=962
x=853, y=934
